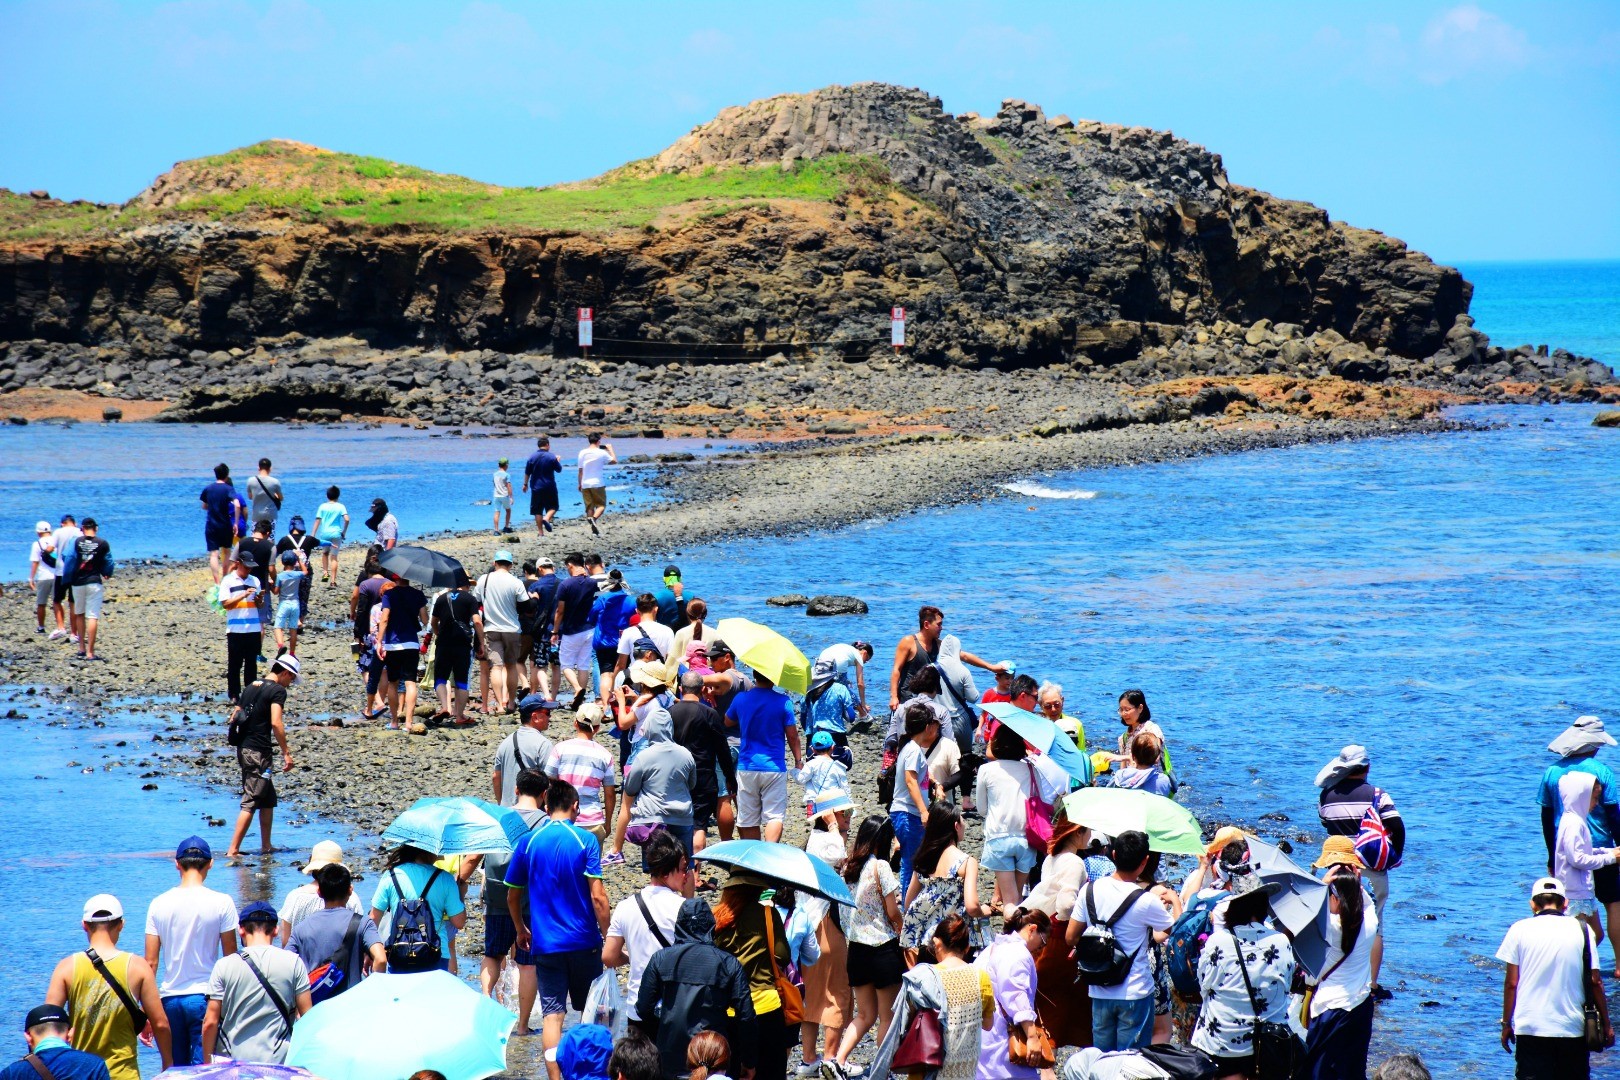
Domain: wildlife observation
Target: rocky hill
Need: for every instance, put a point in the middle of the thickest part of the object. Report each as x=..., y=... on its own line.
x=790, y=225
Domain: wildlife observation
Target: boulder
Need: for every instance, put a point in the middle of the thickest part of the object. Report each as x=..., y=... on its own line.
x=835, y=605
x=112, y=413
x=788, y=600
x=1607, y=418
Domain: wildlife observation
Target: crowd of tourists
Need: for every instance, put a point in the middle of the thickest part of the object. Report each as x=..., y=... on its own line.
x=1044, y=947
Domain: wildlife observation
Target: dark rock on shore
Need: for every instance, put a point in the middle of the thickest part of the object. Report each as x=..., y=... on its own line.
x=1607, y=418
x=835, y=605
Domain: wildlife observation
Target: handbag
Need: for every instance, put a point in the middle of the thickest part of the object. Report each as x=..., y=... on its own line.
x=1037, y=815
x=792, y=1000
x=1277, y=1050
x=1594, y=1037
x=1033, y=1052
x=923, y=1045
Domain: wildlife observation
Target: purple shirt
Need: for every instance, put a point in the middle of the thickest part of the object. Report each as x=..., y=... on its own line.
x=1012, y=980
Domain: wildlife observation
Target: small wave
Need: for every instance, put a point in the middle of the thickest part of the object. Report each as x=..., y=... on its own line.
x=1041, y=491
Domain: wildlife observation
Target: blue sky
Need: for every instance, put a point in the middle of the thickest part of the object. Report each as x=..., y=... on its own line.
x=1473, y=131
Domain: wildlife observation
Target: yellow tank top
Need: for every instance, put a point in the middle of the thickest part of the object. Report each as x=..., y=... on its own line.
x=101, y=1024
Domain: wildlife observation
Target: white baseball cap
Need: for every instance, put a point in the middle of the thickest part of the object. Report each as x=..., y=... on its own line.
x=1548, y=886
x=42, y=527
x=103, y=907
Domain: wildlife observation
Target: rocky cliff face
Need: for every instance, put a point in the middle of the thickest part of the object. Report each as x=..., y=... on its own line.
x=1012, y=240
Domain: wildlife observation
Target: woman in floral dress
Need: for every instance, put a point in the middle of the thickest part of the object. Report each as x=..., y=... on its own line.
x=946, y=882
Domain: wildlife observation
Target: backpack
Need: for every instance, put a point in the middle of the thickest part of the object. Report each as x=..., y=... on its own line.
x=331, y=978
x=413, y=935
x=1186, y=944
x=1373, y=844
x=1099, y=955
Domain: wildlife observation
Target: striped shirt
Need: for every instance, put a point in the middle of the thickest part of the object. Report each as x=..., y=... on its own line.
x=245, y=618
x=589, y=767
x=1344, y=805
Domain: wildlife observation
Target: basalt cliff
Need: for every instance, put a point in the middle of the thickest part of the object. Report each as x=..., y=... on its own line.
x=1013, y=241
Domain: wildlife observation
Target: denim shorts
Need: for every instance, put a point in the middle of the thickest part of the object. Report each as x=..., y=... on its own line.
x=1007, y=853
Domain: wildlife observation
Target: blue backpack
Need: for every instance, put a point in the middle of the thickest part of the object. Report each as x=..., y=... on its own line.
x=413, y=936
x=1186, y=944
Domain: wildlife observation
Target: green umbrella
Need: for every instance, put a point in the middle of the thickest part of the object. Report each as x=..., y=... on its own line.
x=1170, y=827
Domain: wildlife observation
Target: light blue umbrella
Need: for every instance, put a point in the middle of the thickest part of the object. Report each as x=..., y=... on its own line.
x=780, y=862
x=231, y=1069
x=1300, y=905
x=1044, y=736
x=457, y=827
x=390, y=1026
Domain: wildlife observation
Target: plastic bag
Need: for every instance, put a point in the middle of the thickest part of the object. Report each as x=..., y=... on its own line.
x=605, y=1005
x=506, y=987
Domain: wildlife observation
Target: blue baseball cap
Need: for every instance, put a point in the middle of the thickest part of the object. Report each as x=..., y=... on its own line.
x=502, y=556
x=584, y=1051
x=821, y=740
x=258, y=911
x=296, y=525
x=534, y=703
x=193, y=847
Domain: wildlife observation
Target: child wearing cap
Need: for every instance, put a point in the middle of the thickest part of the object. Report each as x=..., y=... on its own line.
x=502, y=499
x=289, y=587
x=826, y=783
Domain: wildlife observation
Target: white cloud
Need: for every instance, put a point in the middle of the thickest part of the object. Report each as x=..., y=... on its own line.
x=1467, y=40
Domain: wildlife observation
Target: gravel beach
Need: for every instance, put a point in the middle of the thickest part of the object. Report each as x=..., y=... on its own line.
x=160, y=640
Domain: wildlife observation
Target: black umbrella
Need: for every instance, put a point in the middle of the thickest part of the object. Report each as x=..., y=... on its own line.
x=421, y=565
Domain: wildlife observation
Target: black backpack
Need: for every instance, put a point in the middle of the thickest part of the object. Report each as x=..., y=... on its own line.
x=413, y=936
x=1099, y=956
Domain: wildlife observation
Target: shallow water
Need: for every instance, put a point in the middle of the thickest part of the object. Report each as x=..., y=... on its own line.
x=1573, y=305
x=1448, y=601
x=76, y=825
x=141, y=481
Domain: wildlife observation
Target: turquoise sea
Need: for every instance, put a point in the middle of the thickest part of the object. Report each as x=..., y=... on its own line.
x=1446, y=600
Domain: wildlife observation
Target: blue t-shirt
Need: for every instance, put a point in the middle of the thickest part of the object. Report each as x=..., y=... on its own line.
x=557, y=863
x=613, y=612
x=444, y=898
x=541, y=470
x=575, y=592
x=669, y=608
x=544, y=590
x=219, y=503
x=329, y=521
x=833, y=710
x=64, y=1063
x=1599, y=817
x=763, y=719
x=404, y=604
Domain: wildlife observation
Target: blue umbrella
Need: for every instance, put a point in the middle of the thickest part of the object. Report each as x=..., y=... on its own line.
x=780, y=862
x=1044, y=736
x=231, y=1069
x=1300, y=905
x=457, y=827
x=390, y=1026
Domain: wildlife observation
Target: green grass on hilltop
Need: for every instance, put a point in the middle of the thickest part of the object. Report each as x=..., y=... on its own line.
x=320, y=186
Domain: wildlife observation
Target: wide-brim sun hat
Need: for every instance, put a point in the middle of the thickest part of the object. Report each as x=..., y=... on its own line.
x=652, y=673
x=325, y=853
x=1339, y=851
x=1586, y=733
x=1223, y=836
x=1350, y=759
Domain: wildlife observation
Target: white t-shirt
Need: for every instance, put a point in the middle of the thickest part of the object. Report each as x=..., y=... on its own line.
x=592, y=460
x=661, y=635
x=630, y=925
x=503, y=484
x=1547, y=950
x=65, y=538
x=1131, y=931
x=1000, y=790
x=911, y=760
x=500, y=591
x=1351, y=982
x=36, y=554
x=189, y=921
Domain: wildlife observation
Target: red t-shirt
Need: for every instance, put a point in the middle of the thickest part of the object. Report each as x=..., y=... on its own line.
x=987, y=722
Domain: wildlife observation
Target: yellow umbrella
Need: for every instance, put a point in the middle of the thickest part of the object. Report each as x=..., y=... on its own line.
x=767, y=652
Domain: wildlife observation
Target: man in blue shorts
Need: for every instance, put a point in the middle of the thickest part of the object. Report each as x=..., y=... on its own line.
x=540, y=481
x=221, y=508
x=559, y=905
